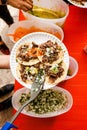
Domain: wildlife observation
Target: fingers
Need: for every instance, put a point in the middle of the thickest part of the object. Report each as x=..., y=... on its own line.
x=26, y=5
x=29, y=2
x=24, y=8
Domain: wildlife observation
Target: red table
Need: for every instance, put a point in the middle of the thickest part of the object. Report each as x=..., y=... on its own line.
x=75, y=30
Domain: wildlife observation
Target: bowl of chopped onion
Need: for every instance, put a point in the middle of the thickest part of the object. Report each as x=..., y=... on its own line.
x=49, y=103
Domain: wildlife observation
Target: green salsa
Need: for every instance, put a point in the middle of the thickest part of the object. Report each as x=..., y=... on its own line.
x=46, y=13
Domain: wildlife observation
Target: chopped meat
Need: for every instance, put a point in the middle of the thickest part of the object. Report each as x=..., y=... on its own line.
x=50, y=51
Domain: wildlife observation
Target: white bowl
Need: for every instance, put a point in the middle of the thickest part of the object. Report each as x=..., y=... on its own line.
x=42, y=26
x=38, y=38
x=16, y=97
x=55, y=5
x=73, y=67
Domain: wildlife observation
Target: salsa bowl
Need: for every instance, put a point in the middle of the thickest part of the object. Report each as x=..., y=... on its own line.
x=56, y=6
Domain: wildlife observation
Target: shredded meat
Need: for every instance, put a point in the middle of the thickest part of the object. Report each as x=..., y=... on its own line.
x=53, y=53
x=23, y=55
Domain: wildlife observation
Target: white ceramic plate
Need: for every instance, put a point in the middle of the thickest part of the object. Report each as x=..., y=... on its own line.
x=16, y=104
x=38, y=38
x=82, y=4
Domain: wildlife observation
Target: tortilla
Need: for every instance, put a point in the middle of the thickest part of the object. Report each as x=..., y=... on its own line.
x=28, y=73
x=52, y=53
x=57, y=79
x=26, y=54
x=18, y=73
x=31, y=62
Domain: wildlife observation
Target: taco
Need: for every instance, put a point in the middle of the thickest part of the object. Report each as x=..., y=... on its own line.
x=56, y=73
x=28, y=73
x=27, y=54
x=51, y=53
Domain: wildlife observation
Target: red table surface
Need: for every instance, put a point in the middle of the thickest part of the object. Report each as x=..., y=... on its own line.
x=75, y=32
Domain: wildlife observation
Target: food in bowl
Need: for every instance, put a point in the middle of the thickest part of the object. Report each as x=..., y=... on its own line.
x=69, y=73
x=52, y=11
x=22, y=28
x=73, y=68
x=46, y=13
x=49, y=100
x=49, y=103
x=20, y=32
x=52, y=102
x=32, y=57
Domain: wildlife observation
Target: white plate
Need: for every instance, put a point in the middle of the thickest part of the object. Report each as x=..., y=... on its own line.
x=78, y=4
x=16, y=104
x=38, y=38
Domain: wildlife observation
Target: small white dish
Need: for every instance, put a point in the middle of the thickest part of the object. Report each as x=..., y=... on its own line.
x=73, y=67
x=16, y=97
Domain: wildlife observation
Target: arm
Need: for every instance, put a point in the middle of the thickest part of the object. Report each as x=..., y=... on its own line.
x=4, y=61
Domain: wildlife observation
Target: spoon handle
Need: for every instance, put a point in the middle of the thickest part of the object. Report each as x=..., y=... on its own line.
x=8, y=126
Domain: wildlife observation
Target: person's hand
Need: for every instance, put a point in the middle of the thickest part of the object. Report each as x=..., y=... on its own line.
x=5, y=64
x=21, y=4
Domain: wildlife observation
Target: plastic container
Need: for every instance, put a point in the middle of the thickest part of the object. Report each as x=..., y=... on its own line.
x=36, y=26
x=55, y=5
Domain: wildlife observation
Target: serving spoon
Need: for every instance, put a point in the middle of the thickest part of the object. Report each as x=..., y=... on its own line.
x=36, y=88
